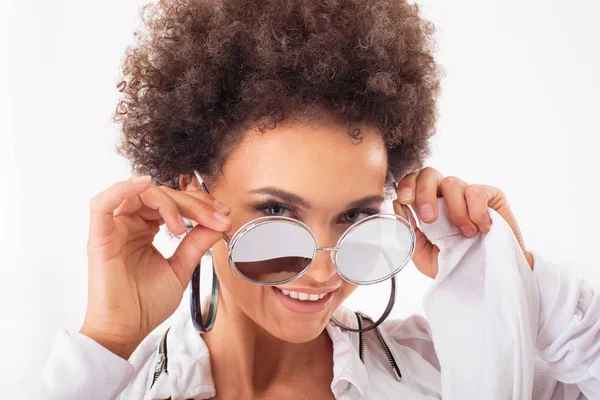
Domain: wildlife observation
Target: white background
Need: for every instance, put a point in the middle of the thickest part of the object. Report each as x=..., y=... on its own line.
x=519, y=111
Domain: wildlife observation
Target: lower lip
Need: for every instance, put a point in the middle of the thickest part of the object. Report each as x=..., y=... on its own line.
x=301, y=306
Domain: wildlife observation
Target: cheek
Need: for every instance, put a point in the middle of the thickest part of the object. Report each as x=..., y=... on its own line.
x=256, y=302
x=343, y=292
x=245, y=294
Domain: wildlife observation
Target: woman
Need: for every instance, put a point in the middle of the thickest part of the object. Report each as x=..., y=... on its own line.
x=307, y=110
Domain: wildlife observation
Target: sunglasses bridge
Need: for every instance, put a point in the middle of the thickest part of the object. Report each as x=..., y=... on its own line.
x=331, y=250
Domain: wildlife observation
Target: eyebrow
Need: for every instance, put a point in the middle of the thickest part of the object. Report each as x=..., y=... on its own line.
x=292, y=198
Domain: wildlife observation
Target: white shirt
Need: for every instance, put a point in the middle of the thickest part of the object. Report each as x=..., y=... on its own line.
x=494, y=330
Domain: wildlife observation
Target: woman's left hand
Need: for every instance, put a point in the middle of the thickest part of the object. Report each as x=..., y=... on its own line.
x=467, y=209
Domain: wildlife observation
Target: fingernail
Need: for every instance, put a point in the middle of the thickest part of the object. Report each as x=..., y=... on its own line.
x=224, y=207
x=426, y=212
x=182, y=223
x=221, y=218
x=405, y=194
x=141, y=179
x=467, y=230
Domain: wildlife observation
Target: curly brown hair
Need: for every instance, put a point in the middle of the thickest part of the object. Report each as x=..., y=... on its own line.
x=202, y=71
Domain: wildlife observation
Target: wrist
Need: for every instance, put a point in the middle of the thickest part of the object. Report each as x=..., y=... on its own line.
x=121, y=348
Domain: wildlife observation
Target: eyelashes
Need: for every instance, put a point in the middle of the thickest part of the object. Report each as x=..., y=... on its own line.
x=274, y=204
x=265, y=205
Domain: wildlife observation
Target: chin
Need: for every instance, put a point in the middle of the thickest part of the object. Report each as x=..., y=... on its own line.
x=301, y=335
x=297, y=328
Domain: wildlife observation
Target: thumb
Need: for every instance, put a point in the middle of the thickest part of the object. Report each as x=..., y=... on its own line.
x=426, y=253
x=190, y=251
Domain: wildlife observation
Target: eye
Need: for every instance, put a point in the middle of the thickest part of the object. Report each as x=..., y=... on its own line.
x=357, y=214
x=276, y=209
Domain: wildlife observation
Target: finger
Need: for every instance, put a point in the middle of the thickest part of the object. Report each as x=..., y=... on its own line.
x=202, y=196
x=198, y=210
x=405, y=211
x=478, y=198
x=158, y=201
x=453, y=191
x=425, y=255
x=405, y=192
x=427, y=192
x=104, y=203
x=497, y=200
x=135, y=206
x=191, y=249
x=162, y=201
x=149, y=214
x=136, y=225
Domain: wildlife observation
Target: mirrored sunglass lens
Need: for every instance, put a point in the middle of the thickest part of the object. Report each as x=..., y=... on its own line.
x=273, y=251
x=374, y=250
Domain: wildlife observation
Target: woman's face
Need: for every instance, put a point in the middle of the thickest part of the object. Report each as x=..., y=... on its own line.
x=311, y=172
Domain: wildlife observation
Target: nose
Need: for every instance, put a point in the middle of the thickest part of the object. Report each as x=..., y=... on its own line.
x=323, y=268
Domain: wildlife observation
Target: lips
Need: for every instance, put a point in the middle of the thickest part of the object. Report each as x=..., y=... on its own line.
x=304, y=306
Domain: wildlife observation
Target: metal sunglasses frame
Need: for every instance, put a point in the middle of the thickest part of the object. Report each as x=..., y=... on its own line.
x=255, y=223
x=232, y=240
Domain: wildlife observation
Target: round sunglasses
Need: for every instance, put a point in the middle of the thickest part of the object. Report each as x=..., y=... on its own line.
x=273, y=250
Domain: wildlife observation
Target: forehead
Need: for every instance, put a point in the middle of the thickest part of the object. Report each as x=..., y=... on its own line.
x=311, y=159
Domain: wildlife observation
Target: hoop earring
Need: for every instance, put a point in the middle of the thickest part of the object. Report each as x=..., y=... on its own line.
x=203, y=325
x=385, y=314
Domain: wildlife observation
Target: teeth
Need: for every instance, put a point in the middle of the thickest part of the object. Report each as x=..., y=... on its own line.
x=303, y=296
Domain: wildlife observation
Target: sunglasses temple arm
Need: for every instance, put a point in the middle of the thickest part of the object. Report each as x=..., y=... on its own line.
x=226, y=237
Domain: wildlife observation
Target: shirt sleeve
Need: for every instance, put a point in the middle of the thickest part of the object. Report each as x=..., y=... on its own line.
x=482, y=309
x=80, y=368
x=568, y=336
x=492, y=317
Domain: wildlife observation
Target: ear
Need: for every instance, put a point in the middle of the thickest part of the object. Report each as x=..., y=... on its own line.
x=184, y=181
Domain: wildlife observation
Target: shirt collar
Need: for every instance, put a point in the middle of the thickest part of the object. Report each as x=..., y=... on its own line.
x=348, y=368
x=188, y=362
x=189, y=369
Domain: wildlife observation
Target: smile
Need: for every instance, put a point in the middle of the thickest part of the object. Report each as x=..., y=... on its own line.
x=303, y=296
x=302, y=302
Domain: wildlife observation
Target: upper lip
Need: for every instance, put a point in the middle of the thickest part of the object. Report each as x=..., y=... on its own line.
x=308, y=290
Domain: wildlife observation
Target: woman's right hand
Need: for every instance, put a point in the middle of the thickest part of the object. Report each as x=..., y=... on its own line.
x=132, y=288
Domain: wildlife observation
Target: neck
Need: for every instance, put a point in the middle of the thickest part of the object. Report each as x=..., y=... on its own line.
x=243, y=352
